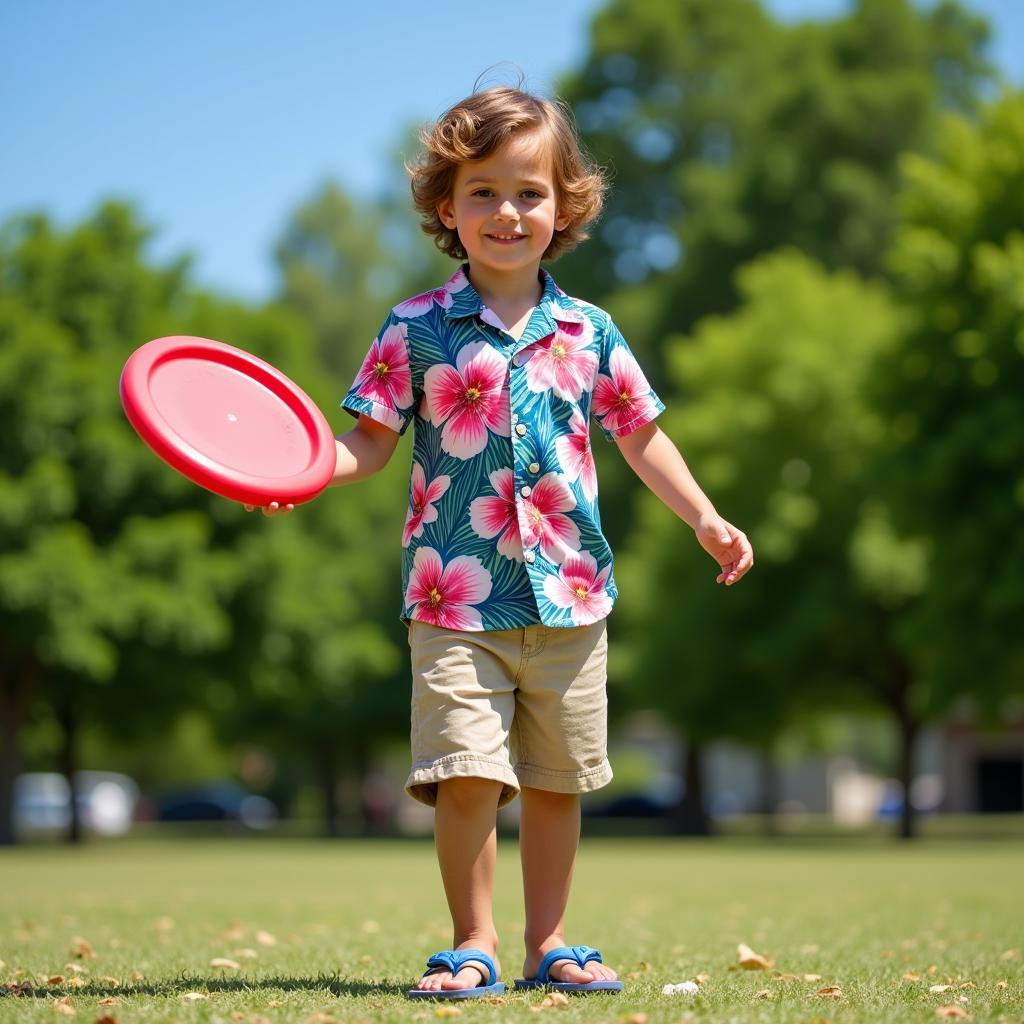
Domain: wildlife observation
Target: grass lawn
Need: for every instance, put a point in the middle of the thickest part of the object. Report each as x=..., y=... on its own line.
x=323, y=932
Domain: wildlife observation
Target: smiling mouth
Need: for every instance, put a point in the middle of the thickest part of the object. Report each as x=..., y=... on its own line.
x=507, y=238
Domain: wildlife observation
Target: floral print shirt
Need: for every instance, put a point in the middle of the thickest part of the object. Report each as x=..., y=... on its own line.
x=503, y=528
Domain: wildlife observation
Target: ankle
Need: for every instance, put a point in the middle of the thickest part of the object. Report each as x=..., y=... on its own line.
x=480, y=938
x=541, y=942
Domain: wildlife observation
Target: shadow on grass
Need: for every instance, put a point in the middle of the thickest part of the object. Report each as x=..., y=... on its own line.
x=331, y=983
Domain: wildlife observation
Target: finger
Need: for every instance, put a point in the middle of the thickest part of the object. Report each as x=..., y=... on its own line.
x=289, y=508
x=248, y=508
x=270, y=509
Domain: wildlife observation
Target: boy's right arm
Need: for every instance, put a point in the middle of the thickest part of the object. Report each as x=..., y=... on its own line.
x=360, y=453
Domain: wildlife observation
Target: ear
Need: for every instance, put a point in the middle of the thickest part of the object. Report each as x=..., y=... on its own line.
x=446, y=211
x=562, y=221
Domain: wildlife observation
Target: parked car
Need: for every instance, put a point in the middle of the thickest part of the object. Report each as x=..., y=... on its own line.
x=105, y=802
x=216, y=801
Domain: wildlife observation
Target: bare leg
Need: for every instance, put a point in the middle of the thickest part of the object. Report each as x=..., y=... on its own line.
x=549, y=833
x=466, y=842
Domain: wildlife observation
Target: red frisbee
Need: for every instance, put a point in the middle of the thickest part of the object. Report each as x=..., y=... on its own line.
x=228, y=421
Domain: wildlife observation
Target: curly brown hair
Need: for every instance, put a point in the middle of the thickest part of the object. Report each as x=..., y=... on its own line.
x=478, y=125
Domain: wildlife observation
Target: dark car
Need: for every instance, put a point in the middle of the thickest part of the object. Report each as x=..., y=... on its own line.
x=216, y=801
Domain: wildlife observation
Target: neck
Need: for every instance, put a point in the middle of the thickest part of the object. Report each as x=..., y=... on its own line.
x=521, y=287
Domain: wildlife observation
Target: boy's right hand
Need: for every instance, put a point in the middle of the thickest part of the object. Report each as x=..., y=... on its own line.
x=272, y=509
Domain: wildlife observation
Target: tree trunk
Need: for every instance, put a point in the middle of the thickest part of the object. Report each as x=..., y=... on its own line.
x=909, y=727
x=327, y=776
x=16, y=692
x=689, y=817
x=68, y=716
x=768, y=790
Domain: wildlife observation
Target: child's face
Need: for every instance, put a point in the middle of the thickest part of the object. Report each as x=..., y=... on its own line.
x=505, y=207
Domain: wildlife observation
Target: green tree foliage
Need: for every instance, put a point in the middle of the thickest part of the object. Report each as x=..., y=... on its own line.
x=953, y=391
x=731, y=135
x=773, y=421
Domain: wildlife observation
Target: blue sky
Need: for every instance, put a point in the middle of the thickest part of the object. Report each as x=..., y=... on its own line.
x=218, y=118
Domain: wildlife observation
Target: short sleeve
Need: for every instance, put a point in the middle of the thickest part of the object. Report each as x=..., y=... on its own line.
x=623, y=400
x=383, y=388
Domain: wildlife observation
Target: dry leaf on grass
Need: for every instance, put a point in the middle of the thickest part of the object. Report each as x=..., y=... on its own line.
x=105, y=1018
x=265, y=938
x=109, y=1001
x=193, y=996
x=952, y=1011
x=245, y=954
x=55, y=979
x=968, y=984
x=1002, y=984
x=224, y=963
x=812, y=977
x=74, y=968
x=939, y=988
x=137, y=976
x=779, y=976
x=110, y=982
x=447, y=1011
x=556, y=999
x=932, y=969
x=75, y=982
x=1010, y=954
x=751, y=961
x=234, y=932
x=81, y=947
x=683, y=988
x=830, y=992
x=63, y=1006
x=911, y=976
x=702, y=977
x=19, y=988
x=764, y=994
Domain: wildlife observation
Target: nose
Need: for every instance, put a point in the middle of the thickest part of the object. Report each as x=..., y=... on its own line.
x=507, y=211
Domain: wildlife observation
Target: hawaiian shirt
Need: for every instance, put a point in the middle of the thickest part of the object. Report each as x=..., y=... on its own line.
x=503, y=528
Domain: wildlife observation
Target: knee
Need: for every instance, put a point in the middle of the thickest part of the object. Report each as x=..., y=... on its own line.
x=548, y=798
x=465, y=793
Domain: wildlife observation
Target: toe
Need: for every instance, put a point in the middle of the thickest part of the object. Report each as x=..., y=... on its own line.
x=468, y=977
x=562, y=970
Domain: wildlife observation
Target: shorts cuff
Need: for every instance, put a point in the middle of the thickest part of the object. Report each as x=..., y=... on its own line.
x=424, y=777
x=564, y=782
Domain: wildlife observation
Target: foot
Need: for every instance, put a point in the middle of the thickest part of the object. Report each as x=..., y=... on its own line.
x=471, y=976
x=565, y=970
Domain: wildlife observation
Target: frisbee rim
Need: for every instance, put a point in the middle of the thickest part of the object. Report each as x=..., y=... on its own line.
x=164, y=439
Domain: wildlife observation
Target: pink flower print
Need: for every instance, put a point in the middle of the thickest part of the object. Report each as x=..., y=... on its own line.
x=491, y=516
x=580, y=588
x=623, y=401
x=443, y=594
x=424, y=303
x=541, y=518
x=562, y=362
x=420, y=304
x=384, y=377
x=421, y=502
x=576, y=457
x=468, y=399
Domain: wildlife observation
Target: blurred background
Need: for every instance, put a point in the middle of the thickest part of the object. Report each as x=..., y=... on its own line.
x=815, y=245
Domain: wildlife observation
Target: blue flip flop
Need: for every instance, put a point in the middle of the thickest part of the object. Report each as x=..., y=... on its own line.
x=580, y=955
x=454, y=960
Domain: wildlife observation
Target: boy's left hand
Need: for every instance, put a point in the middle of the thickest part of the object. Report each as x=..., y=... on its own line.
x=728, y=546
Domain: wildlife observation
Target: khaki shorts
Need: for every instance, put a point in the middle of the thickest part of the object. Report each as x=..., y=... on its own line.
x=525, y=707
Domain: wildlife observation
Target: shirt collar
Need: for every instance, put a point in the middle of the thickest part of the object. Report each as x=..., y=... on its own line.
x=554, y=307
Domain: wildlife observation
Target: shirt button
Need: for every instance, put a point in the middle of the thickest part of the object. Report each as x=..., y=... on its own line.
x=534, y=467
x=530, y=556
x=524, y=491
x=521, y=429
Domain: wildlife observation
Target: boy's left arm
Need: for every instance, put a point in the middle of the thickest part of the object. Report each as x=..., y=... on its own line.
x=656, y=460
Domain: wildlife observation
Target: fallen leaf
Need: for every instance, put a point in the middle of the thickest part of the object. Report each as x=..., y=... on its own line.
x=812, y=977
x=193, y=996
x=968, y=984
x=702, y=977
x=265, y=938
x=74, y=968
x=234, y=932
x=911, y=976
x=225, y=963
x=275, y=1003
x=55, y=979
x=109, y=981
x=109, y=1001
x=81, y=947
x=237, y=1015
x=63, y=1005
x=20, y=988
x=932, y=969
x=75, y=982
x=246, y=954
x=764, y=994
x=751, y=961
x=952, y=1011
x=685, y=988
x=137, y=976
x=556, y=999
x=885, y=954
x=1010, y=954
x=105, y=1018
x=830, y=992
x=1002, y=984
x=940, y=988
x=447, y=1011
x=779, y=976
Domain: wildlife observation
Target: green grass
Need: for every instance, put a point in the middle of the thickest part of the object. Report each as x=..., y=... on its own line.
x=354, y=922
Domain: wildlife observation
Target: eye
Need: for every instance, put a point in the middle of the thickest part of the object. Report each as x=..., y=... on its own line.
x=484, y=193
x=531, y=193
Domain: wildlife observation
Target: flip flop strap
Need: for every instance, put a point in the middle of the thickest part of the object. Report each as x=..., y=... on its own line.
x=455, y=959
x=581, y=955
